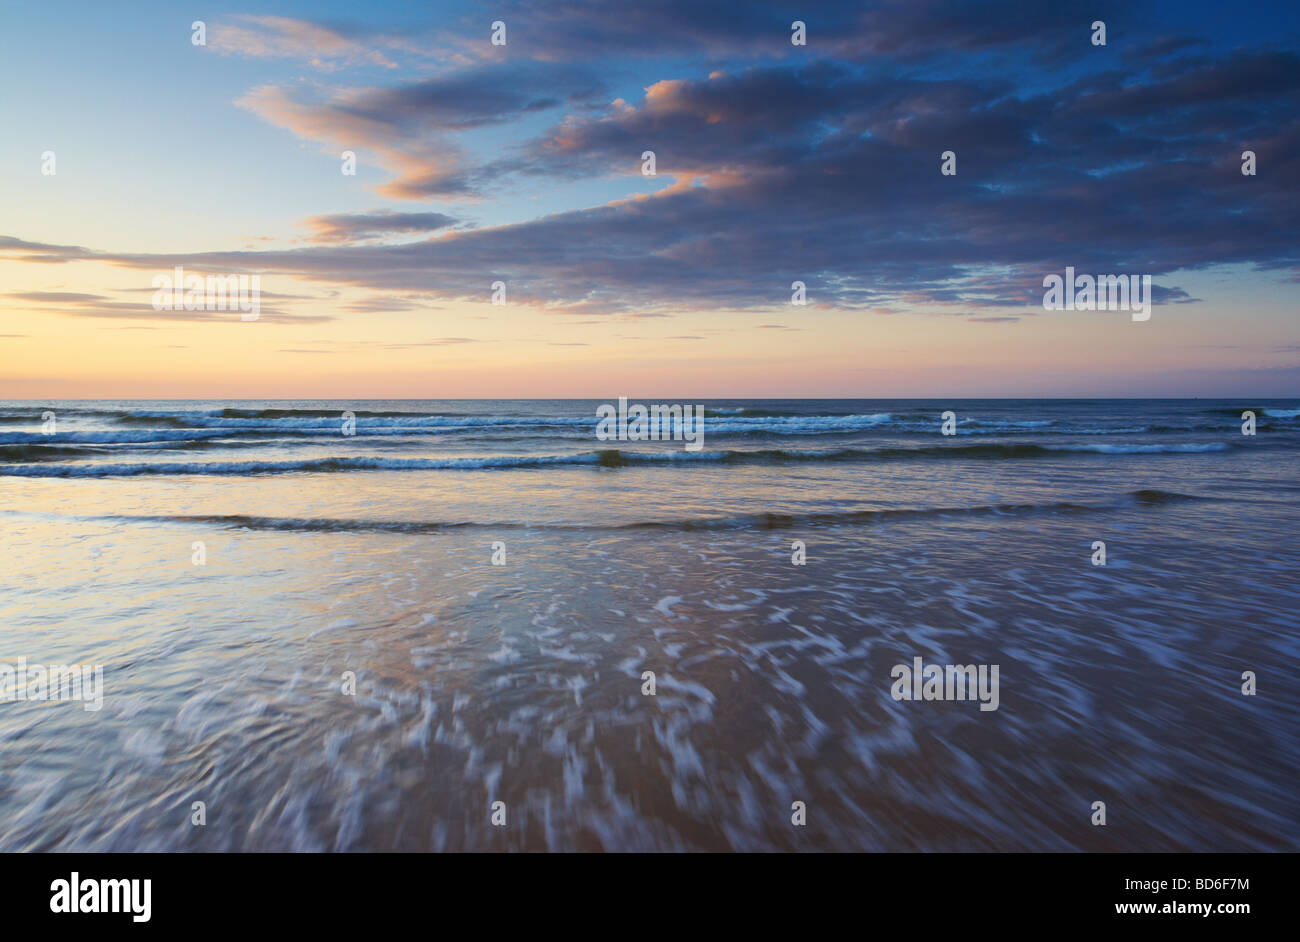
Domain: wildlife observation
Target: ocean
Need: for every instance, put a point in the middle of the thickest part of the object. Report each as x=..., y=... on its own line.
x=427, y=626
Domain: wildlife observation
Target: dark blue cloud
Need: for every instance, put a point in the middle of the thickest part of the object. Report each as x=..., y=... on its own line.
x=822, y=163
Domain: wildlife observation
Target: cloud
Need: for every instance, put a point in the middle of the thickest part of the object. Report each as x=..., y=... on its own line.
x=12, y=248
x=74, y=304
x=326, y=48
x=819, y=164
x=1162, y=295
x=233, y=317
x=360, y=227
x=439, y=342
x=56, y=296
x=409, y=127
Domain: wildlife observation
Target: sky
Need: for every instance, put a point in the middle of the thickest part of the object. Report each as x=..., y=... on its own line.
x=521, y=163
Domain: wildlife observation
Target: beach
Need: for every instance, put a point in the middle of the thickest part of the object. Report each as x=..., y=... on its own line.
x=497, y=581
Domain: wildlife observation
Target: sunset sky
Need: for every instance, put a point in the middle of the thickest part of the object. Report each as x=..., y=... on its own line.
x=522, y=163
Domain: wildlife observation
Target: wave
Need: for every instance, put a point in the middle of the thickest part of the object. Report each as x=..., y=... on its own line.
x=333, y=413
x=327, y=419
x=797, y=424
x=987, y=451
x=167, y=436
x=33, y=452
x=319, y=465
x=177, y=426
x=158, y=420
x=609, y=458
x=752, y=413
x=789, y=424
x=1169, y=449
x=764, y=521
x=575, y=429
x=779, y=521
x=154, y=436
x=321, y=413
x=176, y=429
x=1008, y=423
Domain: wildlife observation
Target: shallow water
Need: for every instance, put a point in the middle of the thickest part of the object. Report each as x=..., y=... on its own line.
x=522, y=682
